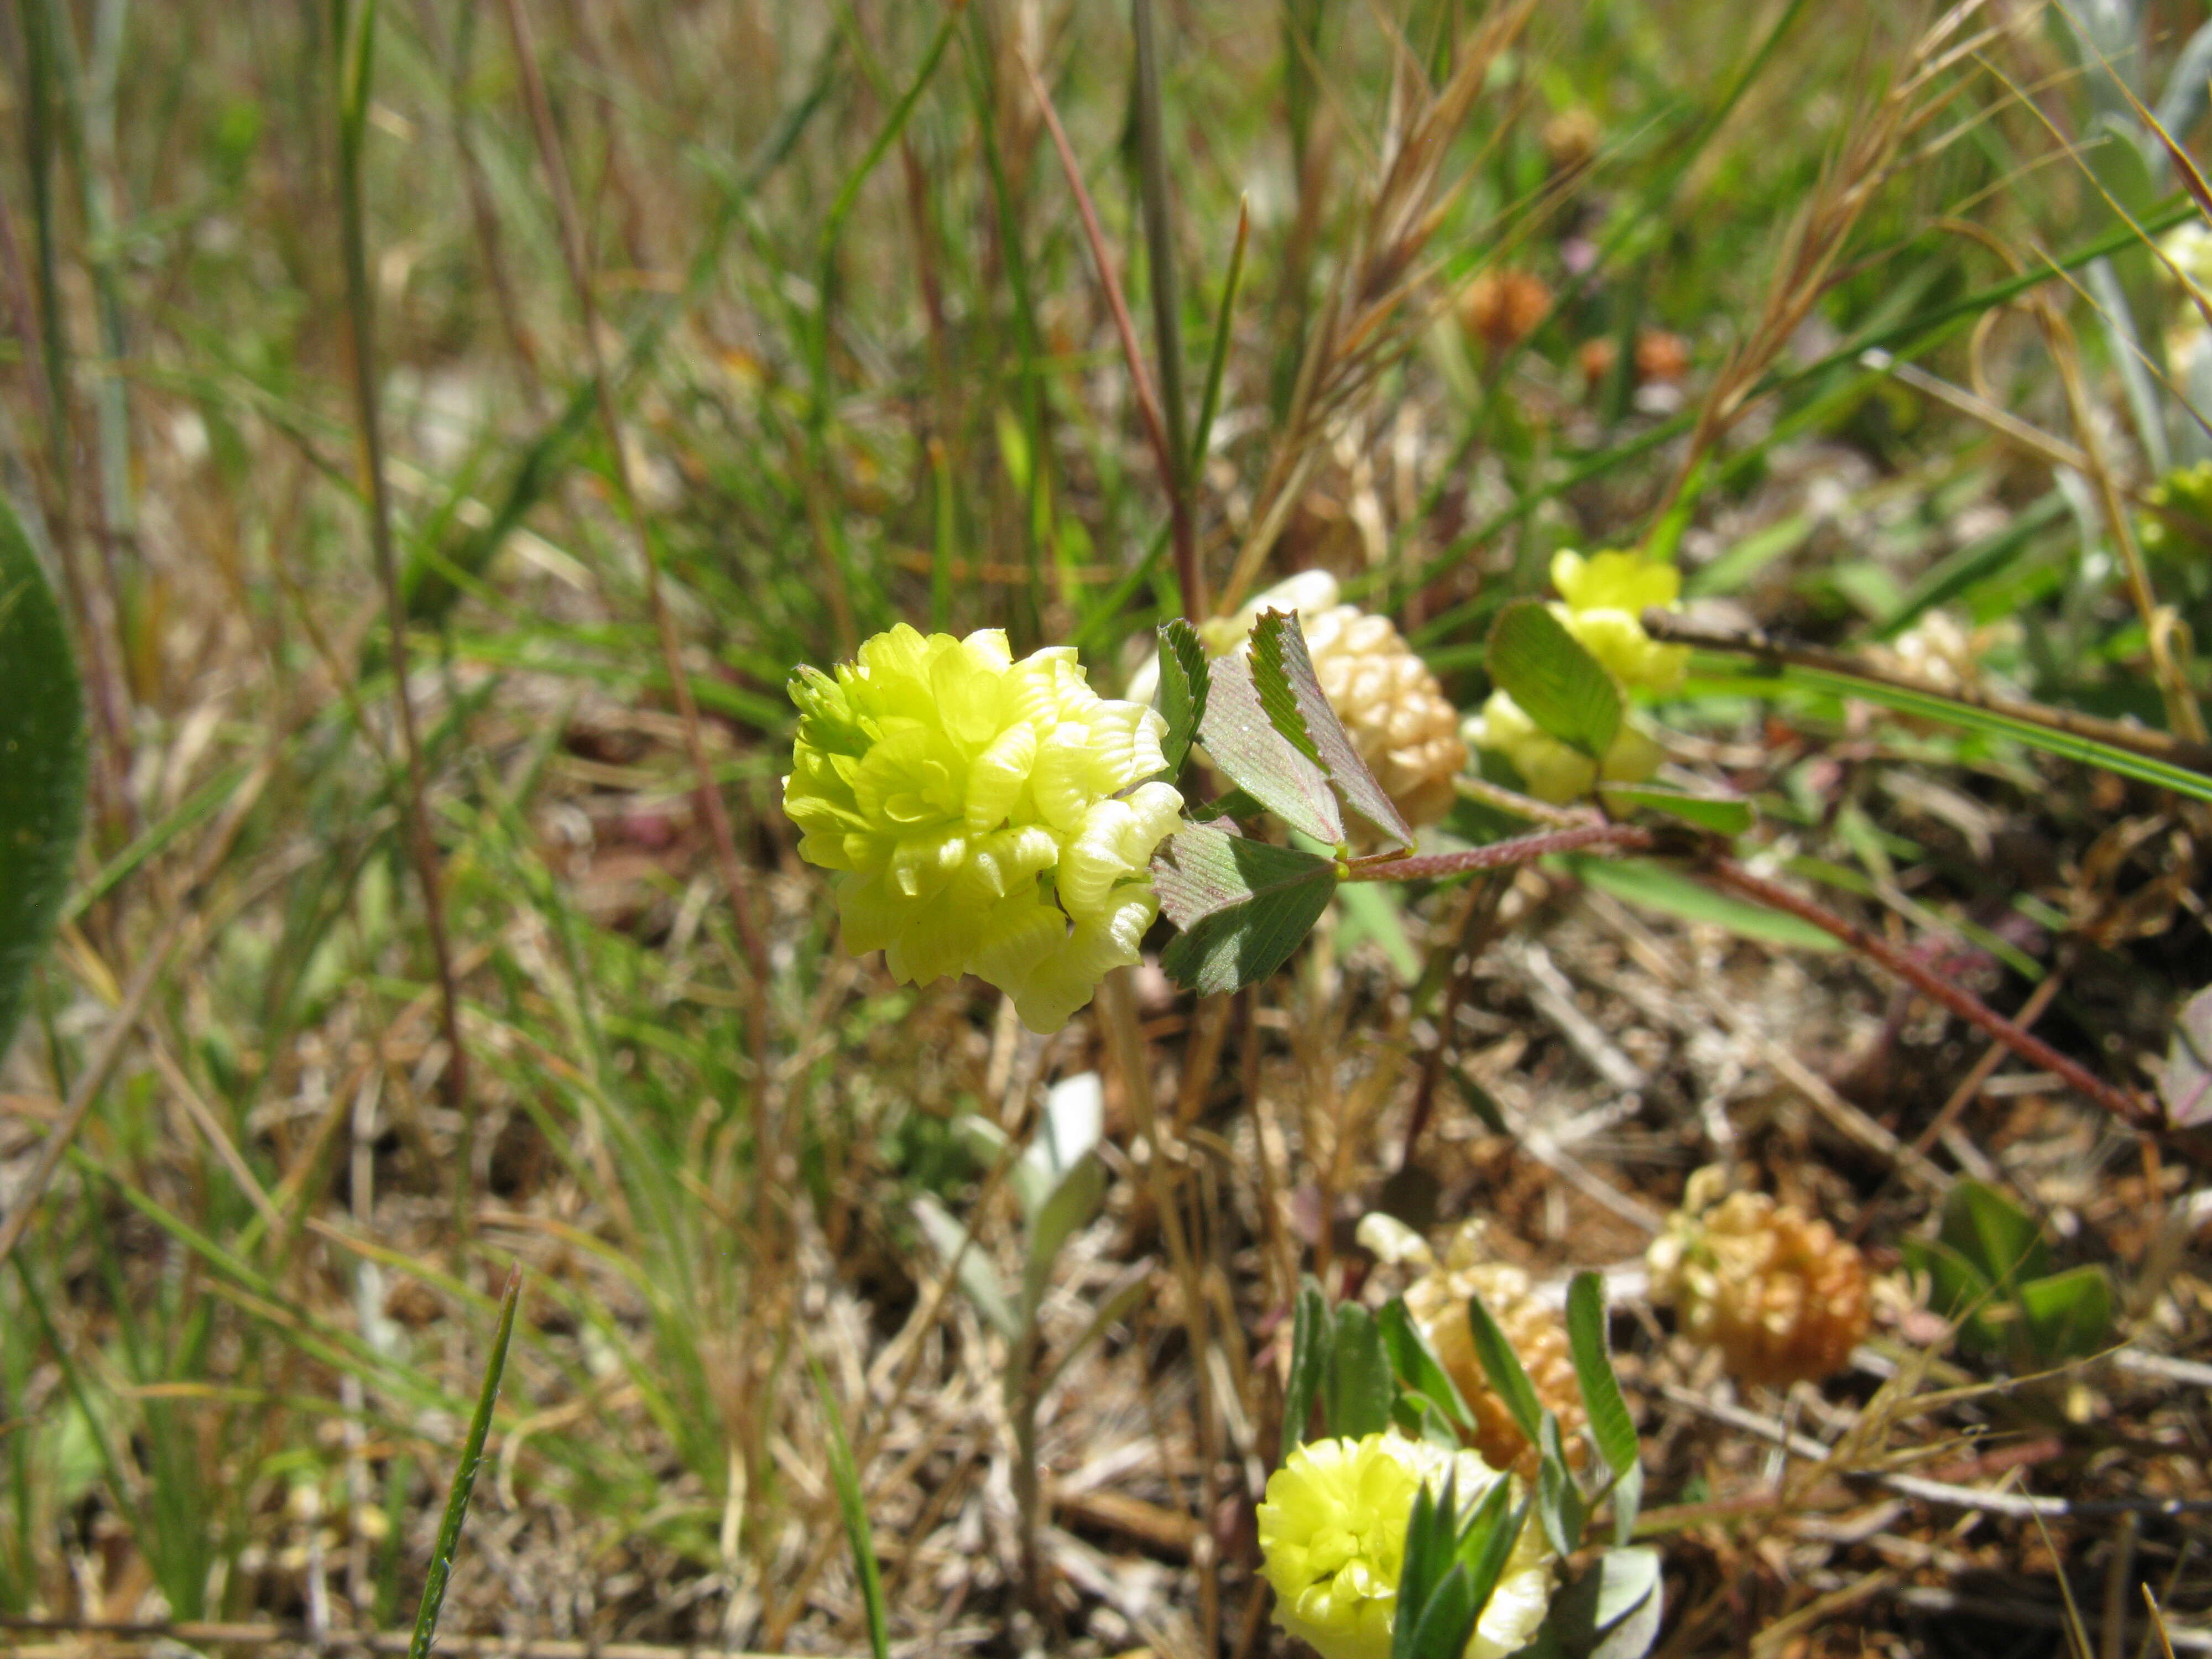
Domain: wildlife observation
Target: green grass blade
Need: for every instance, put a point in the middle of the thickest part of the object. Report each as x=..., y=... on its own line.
x=1157, y=202
x=853, y=1505
x=42, y=777
x=1224, y=321
x=1988, y=722
x=465, y=1478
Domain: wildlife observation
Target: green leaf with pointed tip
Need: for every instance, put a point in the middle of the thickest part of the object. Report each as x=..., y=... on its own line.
x=1959, y=1291
x=1241, y=741
x=1313, y=1341
x=2000, y=1238
x=42, y=765
x=1243, y=906
x=1424, y=1566
x=1486, y=1543
x=1561, y=1506
x=1282, y=674
x=1508, y=1378
x=1442, y=1625
x=1357, y=1389
x=1611, y=1425
x=1183, y=680
x=1556, y=682
x=2067, y=1315
x=1416, y=1362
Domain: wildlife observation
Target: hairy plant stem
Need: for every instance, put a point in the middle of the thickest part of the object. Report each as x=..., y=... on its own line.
x=1521, y=849
x=355, y=33
x=1726, y=873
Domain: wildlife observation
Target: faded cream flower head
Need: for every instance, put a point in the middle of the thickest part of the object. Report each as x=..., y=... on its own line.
x=984, y=815
x=1332, y=1542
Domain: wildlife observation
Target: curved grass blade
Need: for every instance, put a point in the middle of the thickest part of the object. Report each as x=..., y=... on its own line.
x=852, y=1506
x=465, y=1478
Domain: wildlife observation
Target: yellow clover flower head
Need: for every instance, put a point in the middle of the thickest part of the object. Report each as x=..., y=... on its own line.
x=1603, y=600
x=1333, y=1544
x=983, y=816
x=1551, y=770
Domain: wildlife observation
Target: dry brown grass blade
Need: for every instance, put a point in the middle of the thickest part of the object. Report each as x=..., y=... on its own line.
x=184, y=917
x=2168, y=642
x=1815, y=240
x=134, y=1636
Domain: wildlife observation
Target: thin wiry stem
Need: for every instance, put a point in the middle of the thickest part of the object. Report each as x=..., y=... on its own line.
x=711, y=807
x=1167, y=322
x=1930, y=984
x=355, y=33
x=1498, y=855
x=1148, y=403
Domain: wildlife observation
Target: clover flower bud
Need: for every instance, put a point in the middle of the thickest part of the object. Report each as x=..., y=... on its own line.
x=1333, y=1544
x=1550, y=770
x=1602, y=598
x=983, y=816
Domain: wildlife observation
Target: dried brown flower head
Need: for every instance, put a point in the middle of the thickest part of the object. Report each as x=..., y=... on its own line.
x=1501, y=308
x=1661, y=356
x=1437, y=1301
x=1782, y=1297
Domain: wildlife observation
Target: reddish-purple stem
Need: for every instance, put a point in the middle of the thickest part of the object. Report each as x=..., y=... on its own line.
x=1627, y=837
x=1969, y=1007
x=1184, y=531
